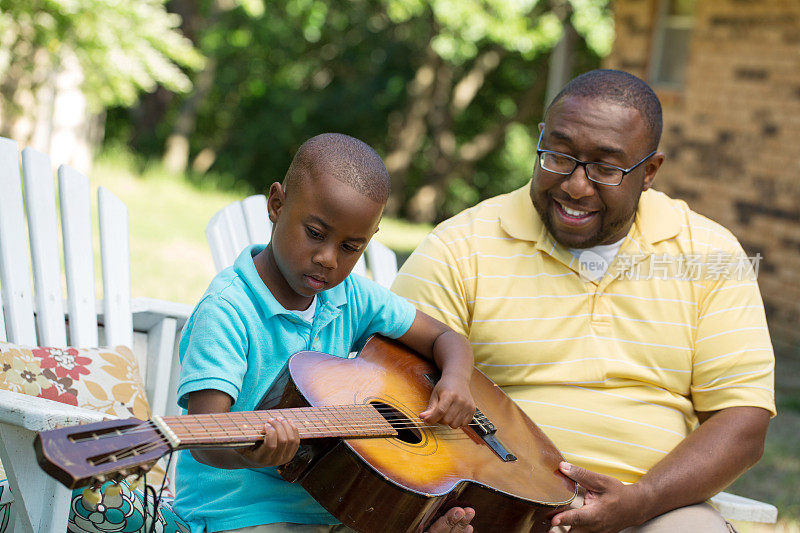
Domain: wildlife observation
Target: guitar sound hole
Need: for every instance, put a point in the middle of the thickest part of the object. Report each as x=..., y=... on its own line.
x=406, y=430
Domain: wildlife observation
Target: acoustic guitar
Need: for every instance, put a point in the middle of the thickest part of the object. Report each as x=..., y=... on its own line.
x=365, y=455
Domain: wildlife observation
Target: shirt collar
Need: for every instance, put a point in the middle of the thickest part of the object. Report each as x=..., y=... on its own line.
x=518, y=217
x=655, y=219
x=245, y=267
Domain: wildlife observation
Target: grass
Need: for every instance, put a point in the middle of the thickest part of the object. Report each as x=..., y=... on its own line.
x=170, y=259
x=776, y=478
x=169, y=255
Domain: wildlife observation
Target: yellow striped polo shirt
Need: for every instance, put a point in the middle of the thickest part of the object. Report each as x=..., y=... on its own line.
x=611, y=370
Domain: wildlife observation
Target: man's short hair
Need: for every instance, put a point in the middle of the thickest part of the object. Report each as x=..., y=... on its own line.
x=622, y=88
x=345, y=158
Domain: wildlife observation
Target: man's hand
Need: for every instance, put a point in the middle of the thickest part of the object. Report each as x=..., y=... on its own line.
x=451, y=403
x=456, y=520
x=608, y=506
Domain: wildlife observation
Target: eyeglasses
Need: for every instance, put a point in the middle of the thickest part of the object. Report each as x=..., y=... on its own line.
x=564, y=164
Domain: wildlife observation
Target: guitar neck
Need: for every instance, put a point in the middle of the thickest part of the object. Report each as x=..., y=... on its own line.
x=246, y=427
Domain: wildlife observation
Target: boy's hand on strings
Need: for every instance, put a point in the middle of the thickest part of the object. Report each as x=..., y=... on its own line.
x=280, y=443
x=451, y=403
x=451, y=400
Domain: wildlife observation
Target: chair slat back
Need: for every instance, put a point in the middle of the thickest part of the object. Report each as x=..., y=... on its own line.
x=227, y=230
x=382, y=262
x=76, y=227
x=115, y=259
x=246, y=222
x=15, y=278
x=361, y=266
x=256, y=218
x=2, y=319
x=40, y=204
x=216, y=240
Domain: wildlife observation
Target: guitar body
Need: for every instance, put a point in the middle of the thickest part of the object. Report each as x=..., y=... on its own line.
x=403, y=484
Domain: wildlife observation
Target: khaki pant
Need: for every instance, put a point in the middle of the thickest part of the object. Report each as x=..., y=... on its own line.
x=700, y=518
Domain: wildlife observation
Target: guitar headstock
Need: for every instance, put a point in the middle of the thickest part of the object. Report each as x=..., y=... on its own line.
x=78, y=455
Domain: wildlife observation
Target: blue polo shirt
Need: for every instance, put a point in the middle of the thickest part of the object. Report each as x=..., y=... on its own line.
x=237, y=340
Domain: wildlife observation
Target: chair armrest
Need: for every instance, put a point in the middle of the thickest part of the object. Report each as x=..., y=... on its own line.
x=40, y=414
x=148, y=311
x=734, y=507
x=40, y=502
x=163, y=322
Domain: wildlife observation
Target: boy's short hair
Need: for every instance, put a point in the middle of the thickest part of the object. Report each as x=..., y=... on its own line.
x=345, y=158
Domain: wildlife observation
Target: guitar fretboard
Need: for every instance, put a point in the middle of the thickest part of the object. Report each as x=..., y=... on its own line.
x=246, y=427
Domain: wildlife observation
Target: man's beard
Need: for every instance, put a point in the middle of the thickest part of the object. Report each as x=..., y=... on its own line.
x=603, y=234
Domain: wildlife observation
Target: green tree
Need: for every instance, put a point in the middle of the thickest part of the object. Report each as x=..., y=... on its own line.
x=447, y=90
x=481, y=76
x=122, y=48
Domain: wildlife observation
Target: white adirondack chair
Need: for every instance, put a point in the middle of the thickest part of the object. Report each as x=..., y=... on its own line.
x=243, y=223
x=37, y=317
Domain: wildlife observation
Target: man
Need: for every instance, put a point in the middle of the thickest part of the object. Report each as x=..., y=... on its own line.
x=615, y=316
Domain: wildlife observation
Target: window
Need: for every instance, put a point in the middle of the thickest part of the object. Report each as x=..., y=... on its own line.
x=671, y=42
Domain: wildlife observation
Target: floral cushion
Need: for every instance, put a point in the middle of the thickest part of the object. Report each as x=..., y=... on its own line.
x=118, y=513
x=101, y=379
x=121, y=513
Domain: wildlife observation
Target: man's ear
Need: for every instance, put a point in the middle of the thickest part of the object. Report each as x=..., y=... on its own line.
x=276, y=201
x=650, y=169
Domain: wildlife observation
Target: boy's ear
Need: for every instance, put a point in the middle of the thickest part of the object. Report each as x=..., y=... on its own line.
x=276, y=201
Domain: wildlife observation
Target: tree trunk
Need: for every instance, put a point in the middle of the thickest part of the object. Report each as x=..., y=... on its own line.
x=408, y=138
x=177, y=146
x=426, y=200
x=561, y=61
x=176, y=150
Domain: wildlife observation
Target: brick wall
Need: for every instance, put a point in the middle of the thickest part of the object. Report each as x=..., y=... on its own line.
x=732, y=132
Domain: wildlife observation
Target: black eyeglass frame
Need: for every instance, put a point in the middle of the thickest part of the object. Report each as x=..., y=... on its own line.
x=578, y=162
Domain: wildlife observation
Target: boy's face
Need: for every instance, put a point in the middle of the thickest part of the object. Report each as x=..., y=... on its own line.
x=321, y=228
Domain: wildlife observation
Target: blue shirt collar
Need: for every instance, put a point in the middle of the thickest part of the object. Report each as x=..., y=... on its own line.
x=244, y=266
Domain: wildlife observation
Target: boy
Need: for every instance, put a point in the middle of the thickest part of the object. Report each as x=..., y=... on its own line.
x=296, y=294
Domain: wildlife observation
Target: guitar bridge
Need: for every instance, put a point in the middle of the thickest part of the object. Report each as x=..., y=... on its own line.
x=484, y=428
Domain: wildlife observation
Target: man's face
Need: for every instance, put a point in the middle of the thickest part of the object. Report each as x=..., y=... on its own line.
x=321, y=228
x=577, y=212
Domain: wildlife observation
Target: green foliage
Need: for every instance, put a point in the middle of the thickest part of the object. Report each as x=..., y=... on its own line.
x=594, y=21
x=303, y=67
x=123, y=47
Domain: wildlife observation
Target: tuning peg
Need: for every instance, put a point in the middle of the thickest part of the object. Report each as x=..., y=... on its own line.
x=113, y=490
x=136, y=483
x=92, y=496
x=112, y=496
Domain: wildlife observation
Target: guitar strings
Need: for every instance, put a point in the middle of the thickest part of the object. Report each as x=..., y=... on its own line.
x=309, y=431
x=147, y=447
x=332, y=412
x=190, y=422
x=236, y=429
x=144, y=448
x=199, y=422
